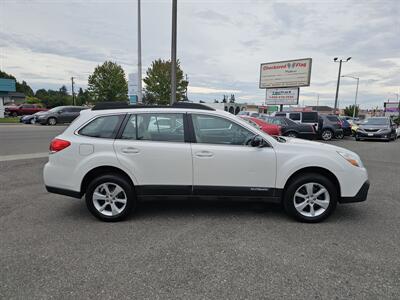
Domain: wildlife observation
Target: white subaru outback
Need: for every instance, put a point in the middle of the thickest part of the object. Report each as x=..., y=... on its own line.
x=117, y=155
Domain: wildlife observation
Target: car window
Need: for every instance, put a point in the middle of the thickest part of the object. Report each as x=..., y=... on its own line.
x=333, y=118
x=217, y=130
x=102, y=127
x=294, y=116
x=160, y=127
x=309, y=117
x=130, y=130
x=290, y=122
x=280, y=114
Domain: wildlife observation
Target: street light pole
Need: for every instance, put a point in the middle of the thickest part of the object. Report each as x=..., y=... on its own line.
x=140, y=96
x=173, y=52
x=355, y=100
x=73, y=91
x=338, y=81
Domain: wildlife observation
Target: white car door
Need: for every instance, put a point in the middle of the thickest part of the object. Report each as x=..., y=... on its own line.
x=156, y=154
x=224, y=165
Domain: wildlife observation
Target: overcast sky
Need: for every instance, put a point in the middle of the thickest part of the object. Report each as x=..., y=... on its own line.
x=220, y=43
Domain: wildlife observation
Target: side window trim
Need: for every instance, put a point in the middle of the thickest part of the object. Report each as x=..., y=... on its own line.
x=217, y=144
x=128, y=116
x=121, y=119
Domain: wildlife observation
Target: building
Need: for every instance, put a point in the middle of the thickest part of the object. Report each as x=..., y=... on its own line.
x=320, y=109
x=8, y=94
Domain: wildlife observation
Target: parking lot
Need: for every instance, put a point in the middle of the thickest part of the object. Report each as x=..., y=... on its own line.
x=51, y=247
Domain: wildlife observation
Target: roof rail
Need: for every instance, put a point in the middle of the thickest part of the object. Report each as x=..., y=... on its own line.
x=122, y=105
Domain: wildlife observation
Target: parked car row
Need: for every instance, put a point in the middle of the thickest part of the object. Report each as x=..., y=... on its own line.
x=312, y=125
x=56, y=115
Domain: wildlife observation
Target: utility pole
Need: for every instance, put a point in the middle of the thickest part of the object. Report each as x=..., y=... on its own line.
x=317, y=100
x=338, y=81
x=140, y=95
x=355, y=99
x=73, y=92
x=173, y=52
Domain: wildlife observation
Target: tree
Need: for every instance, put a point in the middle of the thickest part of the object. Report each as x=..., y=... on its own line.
x=108, y=83
x=158, y=81
x=232, y=98
x=225, y=99
x=348, y=111
x=51, y=98
x=83, y=97
x=149, y=98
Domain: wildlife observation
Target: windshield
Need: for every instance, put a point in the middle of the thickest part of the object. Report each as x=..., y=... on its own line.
x=376, y=121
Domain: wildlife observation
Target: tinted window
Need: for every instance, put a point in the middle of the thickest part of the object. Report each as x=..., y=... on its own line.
x=130, y=130
x=280, y=114
x=160, y=127
x=216, y=130
x=294, y=116
x=102, y=127
x=333, y=118
x=309, y=117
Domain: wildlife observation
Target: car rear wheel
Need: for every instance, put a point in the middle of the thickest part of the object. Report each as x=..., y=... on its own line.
x=292, y=134
x=327, y=134
x=52, y=121
x=310, y=198
x=110, y=197
x=340, y=136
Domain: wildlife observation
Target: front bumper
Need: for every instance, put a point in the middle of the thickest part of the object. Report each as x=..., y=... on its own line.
x=359, y=197
x=372, y=135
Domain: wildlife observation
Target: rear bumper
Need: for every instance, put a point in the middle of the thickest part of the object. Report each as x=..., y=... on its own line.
x=64, y=192
x=360, y=196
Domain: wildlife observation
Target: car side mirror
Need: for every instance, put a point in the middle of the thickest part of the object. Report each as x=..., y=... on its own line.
x=257, y=141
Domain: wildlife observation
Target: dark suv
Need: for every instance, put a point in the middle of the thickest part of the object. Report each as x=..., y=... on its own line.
x=59, y=114
x=381, y=128
x=329, y=127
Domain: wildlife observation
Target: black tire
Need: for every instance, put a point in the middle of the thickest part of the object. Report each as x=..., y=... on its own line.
x=327, y=134
x=124, y=184
x=357, y=139
x=340, y=136
x=291, y=134
x=52, y=121
x=296, y=183
x=14, y=114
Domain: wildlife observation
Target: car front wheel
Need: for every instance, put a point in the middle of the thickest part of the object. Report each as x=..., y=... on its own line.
x=110, y=197
x=310, y=198
x=52, y=121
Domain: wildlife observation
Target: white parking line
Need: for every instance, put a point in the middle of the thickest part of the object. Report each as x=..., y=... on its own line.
x=23, y=156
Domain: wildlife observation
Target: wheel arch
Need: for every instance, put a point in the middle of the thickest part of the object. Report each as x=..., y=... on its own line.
x=314, y=170
x=93, y=173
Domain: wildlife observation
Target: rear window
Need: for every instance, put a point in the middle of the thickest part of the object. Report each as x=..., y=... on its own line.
x=333, y=118
x=294, y=116
x=102, y=127
x=310, y=117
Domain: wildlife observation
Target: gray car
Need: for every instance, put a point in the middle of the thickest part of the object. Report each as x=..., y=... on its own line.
x=59, y=114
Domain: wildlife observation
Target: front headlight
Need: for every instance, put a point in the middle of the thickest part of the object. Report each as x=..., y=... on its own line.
x=351, y=158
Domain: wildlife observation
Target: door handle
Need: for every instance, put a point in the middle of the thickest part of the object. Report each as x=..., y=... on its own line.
x=130, y=150
x=204, y=154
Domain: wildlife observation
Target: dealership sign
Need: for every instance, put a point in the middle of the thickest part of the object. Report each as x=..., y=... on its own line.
x=284, y=96
x=290, y=73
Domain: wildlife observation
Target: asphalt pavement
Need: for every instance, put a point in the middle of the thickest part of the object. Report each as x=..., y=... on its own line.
x=51, y=247
x=22, y=138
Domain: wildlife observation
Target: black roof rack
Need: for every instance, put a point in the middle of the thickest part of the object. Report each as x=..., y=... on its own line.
x=121, y=105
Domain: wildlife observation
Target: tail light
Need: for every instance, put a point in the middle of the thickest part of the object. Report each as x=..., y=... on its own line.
x=279, y=130
x=58, y=145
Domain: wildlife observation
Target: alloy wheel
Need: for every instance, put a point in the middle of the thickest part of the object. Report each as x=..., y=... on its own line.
x=327, y=135
x=311, y=199
x=109, y=199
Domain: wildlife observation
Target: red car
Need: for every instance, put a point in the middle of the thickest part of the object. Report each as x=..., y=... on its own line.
x=23, y=109
x=271, y=129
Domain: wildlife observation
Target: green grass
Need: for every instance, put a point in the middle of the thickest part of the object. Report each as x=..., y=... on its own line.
x=9, y=120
